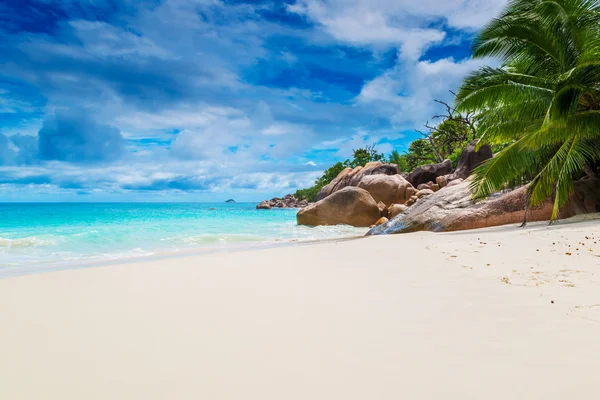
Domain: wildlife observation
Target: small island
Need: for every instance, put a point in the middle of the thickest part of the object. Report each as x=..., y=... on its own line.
x=230, y=201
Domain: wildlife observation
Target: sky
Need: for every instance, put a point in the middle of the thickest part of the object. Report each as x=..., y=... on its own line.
x=206, y=100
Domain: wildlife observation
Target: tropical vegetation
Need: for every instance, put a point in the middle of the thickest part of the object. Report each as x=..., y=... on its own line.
x=539, y=106
x=543, y=99
x=446, y=140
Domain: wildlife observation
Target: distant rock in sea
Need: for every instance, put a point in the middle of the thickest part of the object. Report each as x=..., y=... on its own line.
x=230, y=201
x=287, y=201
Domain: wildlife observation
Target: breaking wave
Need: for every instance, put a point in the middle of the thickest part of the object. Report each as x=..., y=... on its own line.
x=22, y=242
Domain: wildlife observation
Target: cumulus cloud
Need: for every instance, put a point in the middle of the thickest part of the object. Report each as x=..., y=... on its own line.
x=389, y=17
x=75, y=137
x=368, y=23
x=406, y=93
x=218, y=96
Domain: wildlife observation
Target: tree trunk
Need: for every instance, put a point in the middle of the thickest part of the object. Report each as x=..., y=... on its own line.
x=527, y=200
x=435, y=150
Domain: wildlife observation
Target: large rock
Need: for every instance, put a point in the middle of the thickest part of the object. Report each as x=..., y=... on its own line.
x=453, y=209
x=471, y=158
x=441, y=181
x=412, y=200
x=381, y=221
x=427, y=173
x=264, y=205
x=352, y=176
x=388, y=189
x=350, y=206
x=396, y=209
x=454, y=182
x=424, y=192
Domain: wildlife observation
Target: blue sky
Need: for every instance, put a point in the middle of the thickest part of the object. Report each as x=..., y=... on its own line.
x=203, y=100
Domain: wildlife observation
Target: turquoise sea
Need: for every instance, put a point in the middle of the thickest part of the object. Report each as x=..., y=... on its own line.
x=35, y=237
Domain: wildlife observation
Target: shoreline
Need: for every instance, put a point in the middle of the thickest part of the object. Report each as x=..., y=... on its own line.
x=491, y=313
x=41, y=268
x=55, y=236
x=16, y=271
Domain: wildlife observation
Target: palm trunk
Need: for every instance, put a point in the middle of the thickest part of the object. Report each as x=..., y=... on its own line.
x=527, y=201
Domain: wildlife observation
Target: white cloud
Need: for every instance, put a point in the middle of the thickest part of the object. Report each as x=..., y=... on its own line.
x=101, y=39
x=214, y=70
x=282, y=128
x=344, y=147
x=389, y=14
x=367, y=24
x=186, y=116
x=406, y=93
x=403, y=23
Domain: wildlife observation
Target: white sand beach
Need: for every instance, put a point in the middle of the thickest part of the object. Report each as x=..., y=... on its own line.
x=501, y=313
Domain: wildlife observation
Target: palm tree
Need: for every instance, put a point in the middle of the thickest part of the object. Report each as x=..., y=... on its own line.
x=544, y=99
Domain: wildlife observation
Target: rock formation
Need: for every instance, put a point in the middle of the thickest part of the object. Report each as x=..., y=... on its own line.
x=429, y=173
x=453, y=209
x=350, y=206
x=366, y=196
x=441, y=181
x=287, y=201
x=388, y=189
x=352, y=177
x=381, y=221
x=424, y=192
x=382, y=208
x=470, y=159
x=396, y=209
x=454, y=182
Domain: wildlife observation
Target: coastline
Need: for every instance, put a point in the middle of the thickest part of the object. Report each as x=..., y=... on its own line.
x=166, y=256
x=59, y=235
x=492, y=313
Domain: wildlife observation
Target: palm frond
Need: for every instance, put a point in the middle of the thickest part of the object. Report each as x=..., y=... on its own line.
x=545, y=99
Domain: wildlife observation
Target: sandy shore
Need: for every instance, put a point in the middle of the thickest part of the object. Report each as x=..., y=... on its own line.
x=503, y=313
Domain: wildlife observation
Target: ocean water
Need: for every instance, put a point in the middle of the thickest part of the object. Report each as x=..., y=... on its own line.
x=39, y=236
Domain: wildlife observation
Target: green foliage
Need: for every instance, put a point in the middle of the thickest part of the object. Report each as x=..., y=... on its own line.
x=447, y=139
x=450, y=136
x=363, y=156
x=331, y=173
x=420, y=152
x=309, y=194
x=455, y=156
x=544, y=100
x=401, y=160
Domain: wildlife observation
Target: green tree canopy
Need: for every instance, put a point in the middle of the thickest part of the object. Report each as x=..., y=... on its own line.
x=420, y=152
